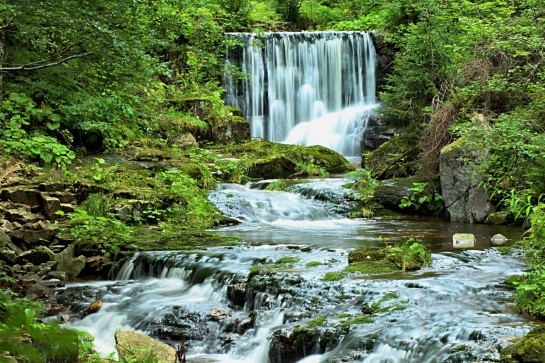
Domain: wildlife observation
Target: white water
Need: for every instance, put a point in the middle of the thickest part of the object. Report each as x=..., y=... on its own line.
x=448, y=305
x=323, y=79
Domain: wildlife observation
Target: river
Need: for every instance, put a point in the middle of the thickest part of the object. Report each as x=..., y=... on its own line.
x=456, y=310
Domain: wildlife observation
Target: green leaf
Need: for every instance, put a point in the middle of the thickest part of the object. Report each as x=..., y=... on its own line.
x=47, y=157
x=52, y=126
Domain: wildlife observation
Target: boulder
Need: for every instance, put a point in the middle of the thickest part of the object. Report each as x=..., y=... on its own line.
x=34, y=233
x=392, y=159
x=529, y=349
x=50, y=206
x=37, y=256
x=95, y=306
x=65, y=197
x=23, y=214
x=139, y=347
x=463, y=240
x=183, y=141
x=27, y=196
x=464, y=199
x=499, y=239
x=71, y=265
x=232, y=129
x=499, y=218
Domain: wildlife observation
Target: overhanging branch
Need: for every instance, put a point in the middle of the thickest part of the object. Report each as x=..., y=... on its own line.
x=42, y=64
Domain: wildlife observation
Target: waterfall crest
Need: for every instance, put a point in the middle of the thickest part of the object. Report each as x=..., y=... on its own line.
x=295, y=78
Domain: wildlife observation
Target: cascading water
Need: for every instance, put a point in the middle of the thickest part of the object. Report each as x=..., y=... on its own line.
x=298, y=82
x=229, y=312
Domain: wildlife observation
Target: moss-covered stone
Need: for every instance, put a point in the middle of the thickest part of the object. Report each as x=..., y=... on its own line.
x=269, y=160
x=529, y=349
x=408, y=256
x=393, y=159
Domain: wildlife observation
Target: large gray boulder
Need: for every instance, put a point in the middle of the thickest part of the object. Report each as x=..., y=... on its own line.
x=69, y=263
x=464, y=199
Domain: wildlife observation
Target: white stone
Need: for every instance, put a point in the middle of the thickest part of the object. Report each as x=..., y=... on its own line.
x=463, y=240
x=498, y=239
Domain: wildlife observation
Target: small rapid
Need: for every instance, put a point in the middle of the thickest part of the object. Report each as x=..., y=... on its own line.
x=246, y=304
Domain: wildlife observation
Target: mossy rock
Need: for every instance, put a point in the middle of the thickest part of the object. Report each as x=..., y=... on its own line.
x=408, y=256
x=393, y=159
x=269, y=160
x=530, y=349
x=372, y=260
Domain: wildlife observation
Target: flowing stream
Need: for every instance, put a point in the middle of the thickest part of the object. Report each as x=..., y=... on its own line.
x=456, y=310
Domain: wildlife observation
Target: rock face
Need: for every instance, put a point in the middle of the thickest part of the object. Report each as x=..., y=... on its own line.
x=464, y=200
x=138, y=347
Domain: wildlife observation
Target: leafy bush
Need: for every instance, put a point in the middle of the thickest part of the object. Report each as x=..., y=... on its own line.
x=103, y=233
x=28, y=339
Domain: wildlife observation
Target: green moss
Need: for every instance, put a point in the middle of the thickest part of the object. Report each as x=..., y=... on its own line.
x=530, y=349
x=357, y=320
x=266, y=159
x=287, y=261
x=333, y=276
x=504, y=250
x=406, y=256
x=314, y=264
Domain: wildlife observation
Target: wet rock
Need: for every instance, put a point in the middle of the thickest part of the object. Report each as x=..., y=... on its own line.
x=529, y=349
x=218, y=315
x=77, y=298
x=240, y=326
x=290, y=346
x=136, y=346
x=499, y=239
x=273, y=160
x=182, y=324
x=499, y=218
x=4, y=238
x=236, y=293
x=463, y=240
x=465, y=200
x=94, y=266
x=390, y=193
x=37, y=256
x=95, y=306
x=68, y=208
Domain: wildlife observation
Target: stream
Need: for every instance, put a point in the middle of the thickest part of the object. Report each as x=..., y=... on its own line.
x=456, y=310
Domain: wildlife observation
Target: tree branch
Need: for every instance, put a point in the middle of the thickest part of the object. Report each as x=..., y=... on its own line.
x=40, y=65
x=5, y=26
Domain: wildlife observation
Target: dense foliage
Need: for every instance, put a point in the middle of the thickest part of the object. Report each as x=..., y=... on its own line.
x=79, y=76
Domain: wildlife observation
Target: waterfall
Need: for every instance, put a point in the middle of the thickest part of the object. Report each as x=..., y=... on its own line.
x=322, y=80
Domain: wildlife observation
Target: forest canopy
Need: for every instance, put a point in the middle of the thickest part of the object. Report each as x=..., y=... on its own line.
x=88, y=75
